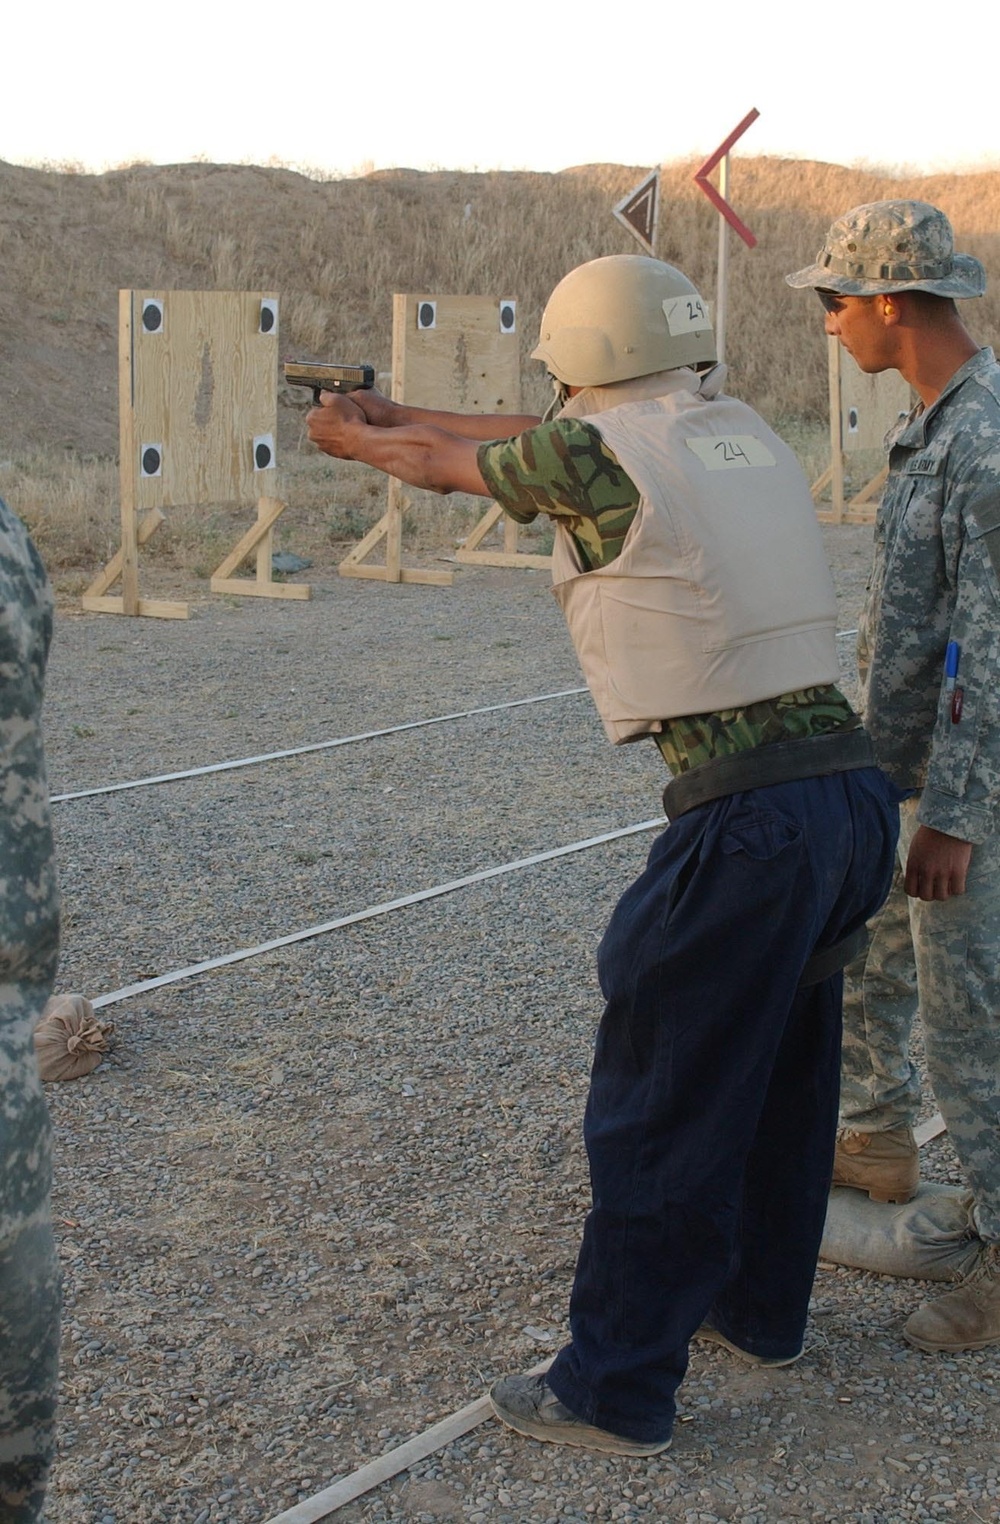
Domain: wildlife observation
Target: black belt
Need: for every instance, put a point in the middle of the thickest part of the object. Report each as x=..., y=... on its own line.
x=762, y=766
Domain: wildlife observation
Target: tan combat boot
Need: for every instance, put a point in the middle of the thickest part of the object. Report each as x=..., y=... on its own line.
x=885, y=1164
x=966, y=1318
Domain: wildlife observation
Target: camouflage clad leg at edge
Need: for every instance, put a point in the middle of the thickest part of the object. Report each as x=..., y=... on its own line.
x=29, y=935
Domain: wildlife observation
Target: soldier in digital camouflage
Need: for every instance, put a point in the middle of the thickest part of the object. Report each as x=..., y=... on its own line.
x=689, y=567
x=888, y=277
x=29, y=935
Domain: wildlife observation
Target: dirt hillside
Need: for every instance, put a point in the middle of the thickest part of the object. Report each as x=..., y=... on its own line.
x=336, y=251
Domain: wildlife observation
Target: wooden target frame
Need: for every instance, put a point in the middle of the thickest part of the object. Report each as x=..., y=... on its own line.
x=456, y=354
x=862, y=410
x=197, y=409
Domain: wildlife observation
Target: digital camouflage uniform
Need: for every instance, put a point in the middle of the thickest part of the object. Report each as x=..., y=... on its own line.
x=29, y=929
x=935, y=578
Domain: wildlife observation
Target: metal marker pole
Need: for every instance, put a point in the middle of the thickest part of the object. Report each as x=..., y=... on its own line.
x=722, y=284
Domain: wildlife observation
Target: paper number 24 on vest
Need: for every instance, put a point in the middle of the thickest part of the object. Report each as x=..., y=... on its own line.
x=731, y=452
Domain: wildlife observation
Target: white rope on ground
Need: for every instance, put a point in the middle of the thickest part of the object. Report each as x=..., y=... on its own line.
x=194, y=970
x=129, y=991
x=301, y=751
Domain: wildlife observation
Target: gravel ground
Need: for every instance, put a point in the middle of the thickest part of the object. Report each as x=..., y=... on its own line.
x=317, y=1200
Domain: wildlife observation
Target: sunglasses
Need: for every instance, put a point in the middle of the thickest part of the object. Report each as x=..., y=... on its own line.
x=829, y=299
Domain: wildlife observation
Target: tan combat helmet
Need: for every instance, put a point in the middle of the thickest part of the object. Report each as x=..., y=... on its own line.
x=621, y=317
x=892, y=246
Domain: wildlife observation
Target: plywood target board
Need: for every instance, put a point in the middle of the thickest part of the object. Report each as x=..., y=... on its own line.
x=869, y=405
x=199, y=375
x=456, y=353
x=197, y=415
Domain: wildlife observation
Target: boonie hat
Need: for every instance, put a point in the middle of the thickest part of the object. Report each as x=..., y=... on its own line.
x=892, y=246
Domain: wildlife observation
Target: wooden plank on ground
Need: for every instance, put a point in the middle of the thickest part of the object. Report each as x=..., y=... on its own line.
x=323, y=1504
x=148, y=608
x=932, y=1128
x=504, y=558
x=246, y=587
x=406, y=574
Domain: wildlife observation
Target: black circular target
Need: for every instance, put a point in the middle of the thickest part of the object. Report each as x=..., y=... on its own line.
x=506, y=317
x=150, y=460
x=152, y=317
x=266, y=319
x=426, y=315
x=262, y=456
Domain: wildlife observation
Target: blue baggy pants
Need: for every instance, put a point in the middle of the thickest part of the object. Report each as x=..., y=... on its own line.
x=712, y=1113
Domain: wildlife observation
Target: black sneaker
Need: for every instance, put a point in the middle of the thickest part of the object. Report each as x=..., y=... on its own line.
x=527, y=1404
x=709, y=1335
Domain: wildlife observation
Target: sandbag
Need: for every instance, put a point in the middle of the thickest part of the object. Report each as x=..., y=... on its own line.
x=931, y=1238
x=69, y=1040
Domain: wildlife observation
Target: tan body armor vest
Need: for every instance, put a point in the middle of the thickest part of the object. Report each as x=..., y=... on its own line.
x=721, y=595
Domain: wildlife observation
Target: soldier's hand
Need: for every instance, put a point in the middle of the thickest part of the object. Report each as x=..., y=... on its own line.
x=380, y=411
x=936, y=865
x=333, y=425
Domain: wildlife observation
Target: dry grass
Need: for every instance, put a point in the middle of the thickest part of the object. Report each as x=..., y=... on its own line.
x=71, y=506
x=337, y=250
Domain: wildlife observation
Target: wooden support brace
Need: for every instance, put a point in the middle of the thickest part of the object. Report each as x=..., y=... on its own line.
x=257, y=538
x=364, y=547
x=390, y=529
x=862, y=507
x=859, y=509
x=95, y=599
x=871, y=489
x=833, y=476
x=470, y=553
x=109, y=576
x=483, y=528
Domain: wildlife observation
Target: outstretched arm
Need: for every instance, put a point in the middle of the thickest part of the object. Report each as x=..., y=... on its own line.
x=418, y=453
x=386, y=414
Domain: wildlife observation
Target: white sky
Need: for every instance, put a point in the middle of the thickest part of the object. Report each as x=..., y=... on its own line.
x=349, y=85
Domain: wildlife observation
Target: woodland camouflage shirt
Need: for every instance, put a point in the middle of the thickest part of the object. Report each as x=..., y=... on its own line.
x=565, y=469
